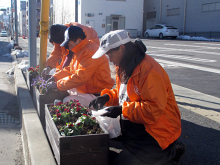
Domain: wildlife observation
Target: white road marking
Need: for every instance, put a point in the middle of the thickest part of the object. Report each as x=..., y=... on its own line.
x=181, y=57
x=188, y=66
x=205, y=47
x=206, y=44
x=184, y=50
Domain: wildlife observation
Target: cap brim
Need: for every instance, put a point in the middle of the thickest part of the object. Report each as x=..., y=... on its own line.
x=65, y=43
x=99, y=53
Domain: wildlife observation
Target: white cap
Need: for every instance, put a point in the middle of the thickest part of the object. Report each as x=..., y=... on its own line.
x=111, y=40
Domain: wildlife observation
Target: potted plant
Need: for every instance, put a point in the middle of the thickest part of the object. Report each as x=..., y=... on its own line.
x=31, y=73
x=42, y=96
x=75, y=136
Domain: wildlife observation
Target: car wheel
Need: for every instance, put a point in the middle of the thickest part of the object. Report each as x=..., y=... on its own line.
x=174, y=37
x=147, y=35
x=161, y=36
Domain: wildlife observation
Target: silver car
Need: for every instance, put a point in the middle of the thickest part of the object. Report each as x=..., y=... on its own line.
x=161, y=31
x=3, y=34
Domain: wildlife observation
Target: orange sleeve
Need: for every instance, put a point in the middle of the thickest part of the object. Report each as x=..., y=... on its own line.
x=82, y=74
x=54, y=57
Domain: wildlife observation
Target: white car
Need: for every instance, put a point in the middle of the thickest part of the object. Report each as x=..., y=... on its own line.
x=161, y=31
x=3, y=34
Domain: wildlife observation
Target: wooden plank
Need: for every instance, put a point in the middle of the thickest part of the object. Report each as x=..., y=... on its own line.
x=74, y=149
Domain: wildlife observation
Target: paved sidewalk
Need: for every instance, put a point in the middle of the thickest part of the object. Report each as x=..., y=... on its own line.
x=11, y=149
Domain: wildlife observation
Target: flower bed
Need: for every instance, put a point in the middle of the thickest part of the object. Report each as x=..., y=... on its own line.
x=75, y=137
x=31, y=74
x=41, y=97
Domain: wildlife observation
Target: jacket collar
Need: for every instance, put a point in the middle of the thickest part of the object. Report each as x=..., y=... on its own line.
x=80, y=46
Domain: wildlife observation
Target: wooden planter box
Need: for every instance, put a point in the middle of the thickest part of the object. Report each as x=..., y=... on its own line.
x=40, y=101
x=29, y=78
x=82, y=149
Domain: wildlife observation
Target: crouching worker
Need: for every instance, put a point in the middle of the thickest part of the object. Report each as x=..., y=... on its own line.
x=144, y=99
x=81, y=75
x=57, y=37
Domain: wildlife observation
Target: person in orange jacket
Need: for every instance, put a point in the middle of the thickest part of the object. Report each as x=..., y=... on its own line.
x=149, y=116
x=79, y=71
x=57, y=37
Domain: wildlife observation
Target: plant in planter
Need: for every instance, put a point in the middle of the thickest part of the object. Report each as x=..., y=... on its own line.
x=74, y=134
x=42, y=96
x=71, y=118
x=31, y=73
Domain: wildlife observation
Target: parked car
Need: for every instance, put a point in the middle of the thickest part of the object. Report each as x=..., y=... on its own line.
x=161, y=31
x=3, y=34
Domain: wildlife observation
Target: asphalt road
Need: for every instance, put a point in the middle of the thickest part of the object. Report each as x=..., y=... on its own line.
x=191, y=64
x=197, y=70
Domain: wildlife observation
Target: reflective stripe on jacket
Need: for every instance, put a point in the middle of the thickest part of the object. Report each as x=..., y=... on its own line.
x=85, y=74
x=152, y=102
x=56, y=54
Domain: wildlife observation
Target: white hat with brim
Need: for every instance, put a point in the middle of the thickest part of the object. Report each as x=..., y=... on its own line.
x=111, y=40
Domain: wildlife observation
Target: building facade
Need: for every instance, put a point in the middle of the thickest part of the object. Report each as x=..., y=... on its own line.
x=195, y=18
x=102, y=15
x=22, y=19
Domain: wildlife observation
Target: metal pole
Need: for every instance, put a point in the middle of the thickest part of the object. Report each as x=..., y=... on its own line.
x=11, y=23
x=16, y=23
x=44, y=23
x=32, y=33
x=184, y=18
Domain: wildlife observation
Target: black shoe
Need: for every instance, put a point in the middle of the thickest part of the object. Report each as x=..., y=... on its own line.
x=180, y=151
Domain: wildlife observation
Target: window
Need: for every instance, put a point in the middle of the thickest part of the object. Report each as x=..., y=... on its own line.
x=173, y=12
x=211, y=7
x=151, y=15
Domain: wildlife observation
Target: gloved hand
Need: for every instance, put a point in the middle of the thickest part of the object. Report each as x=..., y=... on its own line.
x=99, y=102
x=45, y=72
x=52, y=85
x=52, y=79
x=113, y=111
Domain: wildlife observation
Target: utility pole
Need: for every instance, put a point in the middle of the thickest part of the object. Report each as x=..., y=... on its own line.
x=32, y=33
x=16, y=23
x=11, y=23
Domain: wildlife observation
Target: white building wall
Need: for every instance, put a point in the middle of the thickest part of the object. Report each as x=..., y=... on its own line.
x=22, y=23
x=132, y=11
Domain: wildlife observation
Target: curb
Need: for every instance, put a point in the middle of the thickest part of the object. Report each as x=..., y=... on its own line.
x=35, y=144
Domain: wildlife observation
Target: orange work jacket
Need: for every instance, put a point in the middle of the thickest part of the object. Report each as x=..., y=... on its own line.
x=56, y=54
x=152, y=102
x=85, y=74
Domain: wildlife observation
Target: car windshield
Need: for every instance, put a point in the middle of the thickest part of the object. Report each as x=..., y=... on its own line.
x=3, y=32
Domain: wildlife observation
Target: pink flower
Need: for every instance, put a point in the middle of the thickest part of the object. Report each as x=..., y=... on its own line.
x=70, y=125
x=93, y=118
x=78, y=109
x=57, y=111
x=58, y=115
x=66, y=110
x=59, y=103
x=85, y=115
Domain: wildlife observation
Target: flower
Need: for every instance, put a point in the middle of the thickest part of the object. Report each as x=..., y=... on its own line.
x=33, y=70
x=73, y=119
x=40, y=84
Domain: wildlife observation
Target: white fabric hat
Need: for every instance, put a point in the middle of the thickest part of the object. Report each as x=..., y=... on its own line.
x=111, y=40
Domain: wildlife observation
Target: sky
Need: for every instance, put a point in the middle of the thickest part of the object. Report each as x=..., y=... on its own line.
x=7, y=3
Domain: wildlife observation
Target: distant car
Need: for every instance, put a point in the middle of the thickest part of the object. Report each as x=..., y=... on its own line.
x=3, y=34
x=161, y=31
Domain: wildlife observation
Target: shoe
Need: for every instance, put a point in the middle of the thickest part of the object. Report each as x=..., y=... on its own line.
x=180, y=151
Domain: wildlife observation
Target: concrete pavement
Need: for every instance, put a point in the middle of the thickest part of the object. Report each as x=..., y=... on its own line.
x=200, y=118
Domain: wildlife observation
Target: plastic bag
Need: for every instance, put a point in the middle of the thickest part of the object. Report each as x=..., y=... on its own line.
x=111, y=125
